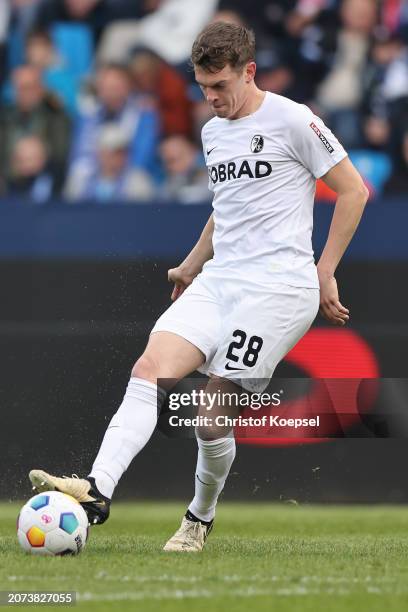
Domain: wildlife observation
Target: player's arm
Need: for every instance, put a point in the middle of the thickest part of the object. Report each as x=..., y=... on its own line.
x=352, y=196
x=184, y=274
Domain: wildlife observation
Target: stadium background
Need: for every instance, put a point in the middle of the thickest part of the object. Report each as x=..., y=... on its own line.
x=84, y=275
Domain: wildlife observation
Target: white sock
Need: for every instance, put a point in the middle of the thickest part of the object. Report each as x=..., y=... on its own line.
x=214, y=462
x=128, y=432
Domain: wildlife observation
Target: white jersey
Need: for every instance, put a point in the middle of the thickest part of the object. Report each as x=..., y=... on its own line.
x=263, y=170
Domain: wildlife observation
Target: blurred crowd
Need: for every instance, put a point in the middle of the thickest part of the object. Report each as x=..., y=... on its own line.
x=99, y=101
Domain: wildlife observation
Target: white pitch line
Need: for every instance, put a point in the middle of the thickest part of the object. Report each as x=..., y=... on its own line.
x=281, y=586
x=364, y=580
x=22, y=577
x=140, y=595
x=205, y=593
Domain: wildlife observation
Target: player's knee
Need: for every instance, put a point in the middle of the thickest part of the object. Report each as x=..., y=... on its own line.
x=209, y=433
x=146, y=368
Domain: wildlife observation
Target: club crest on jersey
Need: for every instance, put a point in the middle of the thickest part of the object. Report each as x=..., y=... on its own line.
x=257, y=144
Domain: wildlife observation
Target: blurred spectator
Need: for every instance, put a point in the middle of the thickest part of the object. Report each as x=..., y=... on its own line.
x=340, y=93
x=40, y=50
x=310, y=44
x=17, y=18
x=36, y=112
x=97, y=14
x=265, y=17
x=56, y=74
x=30, y=177
x=394, y=17
x=113, y=178
x=113, y=102
x=186, y=174
x=385, y=104
x=23, y=13
x=273, y=72
x=169, y=31
x=229, y=16
x=151, y=75
x=374, y=105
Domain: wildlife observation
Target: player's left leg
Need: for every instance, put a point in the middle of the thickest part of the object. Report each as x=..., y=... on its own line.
x=262, y=329
x=216, y=453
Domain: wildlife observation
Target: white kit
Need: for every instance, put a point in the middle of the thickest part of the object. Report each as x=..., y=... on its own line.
x=260, y=293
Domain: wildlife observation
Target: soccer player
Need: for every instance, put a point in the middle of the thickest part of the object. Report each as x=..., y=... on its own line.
x=249, y=289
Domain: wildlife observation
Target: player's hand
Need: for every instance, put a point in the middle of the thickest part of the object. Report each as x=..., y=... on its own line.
x=181, y=279
x=330, y=306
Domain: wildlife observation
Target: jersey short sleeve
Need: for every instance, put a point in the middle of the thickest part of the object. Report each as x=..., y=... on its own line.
x=313, y=144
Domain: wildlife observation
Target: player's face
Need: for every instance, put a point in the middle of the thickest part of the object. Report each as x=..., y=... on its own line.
x=226, y=91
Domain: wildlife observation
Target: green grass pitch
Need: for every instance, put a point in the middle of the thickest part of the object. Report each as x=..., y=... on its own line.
x=259, y=557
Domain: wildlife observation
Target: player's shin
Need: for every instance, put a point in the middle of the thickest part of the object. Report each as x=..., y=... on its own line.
x=214, y=461
x=129, y=431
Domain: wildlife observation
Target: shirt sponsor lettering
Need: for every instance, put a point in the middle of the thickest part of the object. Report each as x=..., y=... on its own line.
x=322, y=137
x=233, y=171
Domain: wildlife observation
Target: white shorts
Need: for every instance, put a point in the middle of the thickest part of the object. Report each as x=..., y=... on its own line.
x=244, y=331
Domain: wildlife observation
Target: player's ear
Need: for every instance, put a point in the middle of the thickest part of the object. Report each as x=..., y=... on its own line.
x=250, y=71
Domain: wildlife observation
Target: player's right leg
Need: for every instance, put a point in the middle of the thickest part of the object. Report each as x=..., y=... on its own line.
x=167, y=356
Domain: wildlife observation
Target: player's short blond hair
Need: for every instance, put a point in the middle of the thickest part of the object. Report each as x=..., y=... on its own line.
x=223, y=43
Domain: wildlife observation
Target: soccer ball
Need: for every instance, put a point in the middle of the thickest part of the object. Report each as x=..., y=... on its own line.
x=52, y=523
